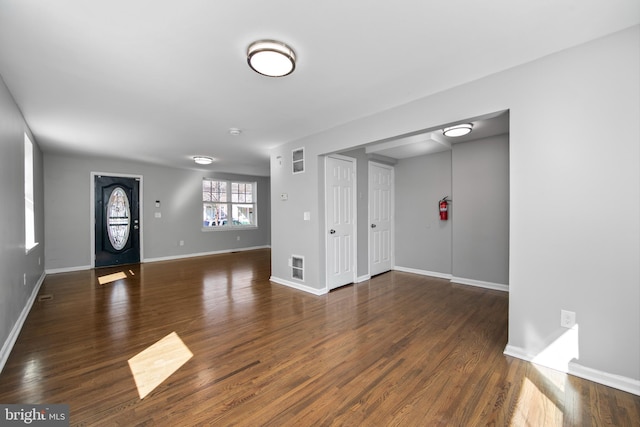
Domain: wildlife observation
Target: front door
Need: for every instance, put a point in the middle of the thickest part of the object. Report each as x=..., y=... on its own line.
x=380, y=217
x=340, y=220
x=117, y=221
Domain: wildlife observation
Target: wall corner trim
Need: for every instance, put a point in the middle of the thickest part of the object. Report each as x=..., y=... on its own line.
x=17, y=327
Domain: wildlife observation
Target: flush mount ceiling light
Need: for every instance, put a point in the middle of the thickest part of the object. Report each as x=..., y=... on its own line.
x=202, y=160
x=458, y=130
x=271, y=58
x=235, y=131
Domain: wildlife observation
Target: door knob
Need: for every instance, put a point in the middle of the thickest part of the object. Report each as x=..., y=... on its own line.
x=332, y=231
x=373, y=226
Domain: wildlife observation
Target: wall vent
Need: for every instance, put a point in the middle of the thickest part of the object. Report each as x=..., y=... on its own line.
x=297, y=267
x=297, y=158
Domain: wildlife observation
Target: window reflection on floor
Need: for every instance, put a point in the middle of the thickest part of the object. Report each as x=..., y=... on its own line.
x=158, y=362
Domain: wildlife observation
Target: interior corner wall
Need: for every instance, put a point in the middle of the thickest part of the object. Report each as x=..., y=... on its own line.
x=480, y=210
x=422, y=241
x=20, y=272
x=572, y=257
x=68, y=218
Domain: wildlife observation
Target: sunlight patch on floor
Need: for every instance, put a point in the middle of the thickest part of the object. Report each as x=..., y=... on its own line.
x=111, y=278
x=535, y=409
x=155, y=364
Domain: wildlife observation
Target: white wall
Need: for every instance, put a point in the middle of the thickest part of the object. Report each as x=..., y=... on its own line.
x=574, y=135
x=20, y=273
x=68, y=188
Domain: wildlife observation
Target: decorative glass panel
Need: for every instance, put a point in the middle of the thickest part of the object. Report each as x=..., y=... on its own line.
x=118, y=218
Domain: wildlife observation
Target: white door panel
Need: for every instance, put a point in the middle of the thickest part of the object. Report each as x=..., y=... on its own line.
x=380, y=218
x=340, y=221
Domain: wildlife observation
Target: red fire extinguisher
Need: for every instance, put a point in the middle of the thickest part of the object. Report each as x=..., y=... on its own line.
x=444, y=208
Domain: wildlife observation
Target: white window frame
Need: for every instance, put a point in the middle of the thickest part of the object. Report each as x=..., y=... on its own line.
x=230, y=203
x=30, y=241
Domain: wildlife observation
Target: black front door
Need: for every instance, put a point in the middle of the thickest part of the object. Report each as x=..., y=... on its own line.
x=117, y=221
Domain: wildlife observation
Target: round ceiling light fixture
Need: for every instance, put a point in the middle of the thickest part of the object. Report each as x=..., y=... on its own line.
x=271, y=58
x=235, y=131
x=202, y=160
x=458, y=130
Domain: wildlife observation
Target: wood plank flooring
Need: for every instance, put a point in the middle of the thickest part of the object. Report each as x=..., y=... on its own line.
x=398, y=350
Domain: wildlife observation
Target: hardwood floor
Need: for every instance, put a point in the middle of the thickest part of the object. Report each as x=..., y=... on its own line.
x=398, y=350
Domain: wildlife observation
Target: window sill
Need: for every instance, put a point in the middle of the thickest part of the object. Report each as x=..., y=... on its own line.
x=28, y=249
x=229, y=228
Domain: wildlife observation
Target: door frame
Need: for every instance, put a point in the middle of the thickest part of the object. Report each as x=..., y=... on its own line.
x=392, y=202
x=92, y=215
x=354, y=201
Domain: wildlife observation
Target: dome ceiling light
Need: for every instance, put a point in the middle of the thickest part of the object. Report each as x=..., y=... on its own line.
x=458, y=130
x=202, y=160
x=271, y=58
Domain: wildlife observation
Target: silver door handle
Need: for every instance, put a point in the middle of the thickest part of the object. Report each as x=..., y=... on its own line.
x=373, y=226
x=332, y=231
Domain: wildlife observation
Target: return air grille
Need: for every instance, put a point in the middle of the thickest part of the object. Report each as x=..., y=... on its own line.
x=297, y=267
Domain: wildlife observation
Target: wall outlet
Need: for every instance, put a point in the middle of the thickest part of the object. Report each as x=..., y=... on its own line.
x=238, y=238
x=567, y=319
x=181, y=243
x=24, y=281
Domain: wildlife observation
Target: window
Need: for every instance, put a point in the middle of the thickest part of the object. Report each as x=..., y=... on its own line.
x=227, y=204
x=29, y=209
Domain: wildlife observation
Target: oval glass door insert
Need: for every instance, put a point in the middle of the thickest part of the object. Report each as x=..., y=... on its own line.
x=118, y=218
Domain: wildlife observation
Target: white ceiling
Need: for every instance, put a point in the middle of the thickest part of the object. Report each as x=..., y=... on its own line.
x=422, y=143
x=162, y=81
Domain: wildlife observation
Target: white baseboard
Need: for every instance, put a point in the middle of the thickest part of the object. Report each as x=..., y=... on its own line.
x=166, y=258
x=199, y=254
x=619, y=382
x=453, y=279
x=363, y=278
x=67, y=269
x=480, y=284
x=17, y=327
x=611, y=380
x=298, y=286
x=423, y=272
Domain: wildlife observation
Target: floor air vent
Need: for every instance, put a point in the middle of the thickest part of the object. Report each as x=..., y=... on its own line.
x=47, y=297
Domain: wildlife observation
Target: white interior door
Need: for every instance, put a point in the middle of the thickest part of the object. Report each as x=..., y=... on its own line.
x=340, y=220
x=380, y=218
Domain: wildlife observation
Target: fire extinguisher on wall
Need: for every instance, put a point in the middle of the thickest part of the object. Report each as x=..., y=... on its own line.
x=444, y=208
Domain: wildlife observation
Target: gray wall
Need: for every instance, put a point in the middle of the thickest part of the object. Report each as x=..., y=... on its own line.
x=571, y=258
x=473, y=245
x=422, y=241
x=68, y=188
x=14, y=263
x=480, y=248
